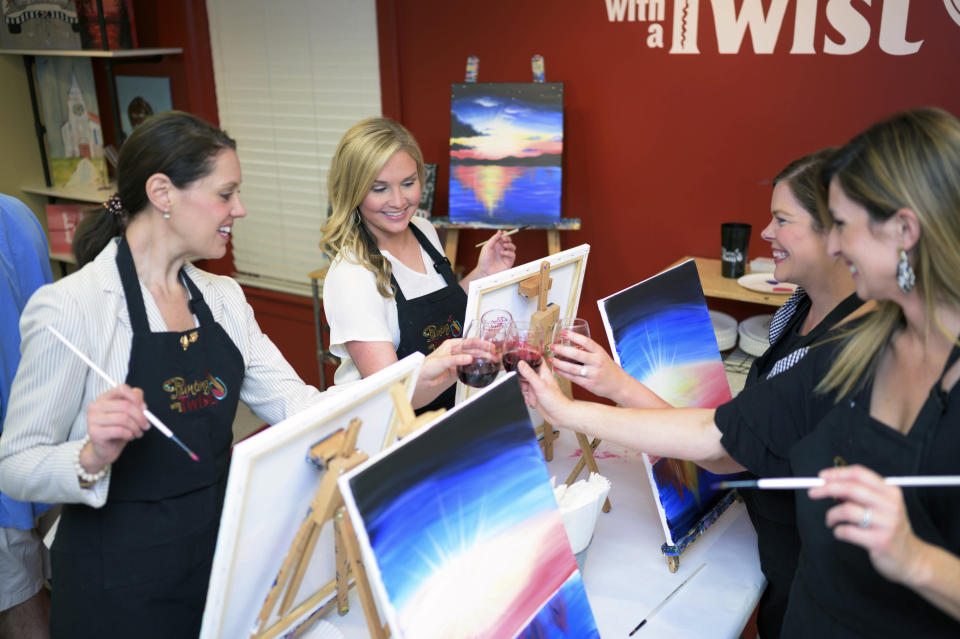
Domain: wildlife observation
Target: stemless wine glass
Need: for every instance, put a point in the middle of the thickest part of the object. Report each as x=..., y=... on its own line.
x=496, y=317
x=525, y=342
x=485, y=346
x=572, y=325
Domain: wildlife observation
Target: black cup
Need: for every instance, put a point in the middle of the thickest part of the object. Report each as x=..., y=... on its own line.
x=734, y=239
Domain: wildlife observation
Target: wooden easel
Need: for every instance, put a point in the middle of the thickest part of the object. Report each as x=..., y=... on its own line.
x=547, y=316
x=335, y=455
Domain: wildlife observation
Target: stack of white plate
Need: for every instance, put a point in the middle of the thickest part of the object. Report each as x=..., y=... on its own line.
x=755, y=334
x=725, y=328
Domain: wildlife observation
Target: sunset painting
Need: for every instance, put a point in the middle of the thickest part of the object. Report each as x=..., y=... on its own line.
x=461, y=533
x=663, y=337
x=506, y=145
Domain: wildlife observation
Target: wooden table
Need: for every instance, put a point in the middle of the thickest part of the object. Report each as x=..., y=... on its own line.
x=716, y=285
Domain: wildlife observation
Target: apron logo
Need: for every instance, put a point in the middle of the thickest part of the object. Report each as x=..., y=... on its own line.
x=187, y=340
x=437, y=335
x=191, y=396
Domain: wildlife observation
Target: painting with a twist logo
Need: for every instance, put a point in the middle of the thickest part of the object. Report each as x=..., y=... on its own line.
x=767, y=26
x=190, y=396
x=438, y=334
x=727, y=255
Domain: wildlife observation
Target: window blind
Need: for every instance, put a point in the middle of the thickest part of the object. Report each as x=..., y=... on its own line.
x=291, y=77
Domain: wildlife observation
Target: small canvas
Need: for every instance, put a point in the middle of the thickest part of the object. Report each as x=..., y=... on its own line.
x=506, y=147
x=662, y=336
x=460, y=531
x=44, y=24
x=500, y=290
x=71, y=115
x=139, y=97
x=269, y=490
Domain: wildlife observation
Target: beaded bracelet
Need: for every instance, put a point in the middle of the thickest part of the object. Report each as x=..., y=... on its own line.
x=87, y=479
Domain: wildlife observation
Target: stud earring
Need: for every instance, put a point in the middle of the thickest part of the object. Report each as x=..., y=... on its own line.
x=906, y=278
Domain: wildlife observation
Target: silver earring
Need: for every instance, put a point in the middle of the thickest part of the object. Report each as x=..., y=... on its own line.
x=357, y=213
x=906, y=278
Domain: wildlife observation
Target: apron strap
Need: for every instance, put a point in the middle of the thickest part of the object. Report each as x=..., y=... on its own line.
x=440, y=263
x=131, y=288
x=198, y=305
x=942, y=396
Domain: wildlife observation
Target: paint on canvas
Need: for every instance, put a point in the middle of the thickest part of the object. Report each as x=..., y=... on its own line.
x=663, y=337
x=139, y=97
x=506, y=145
x=71, y=116
x=464, y=531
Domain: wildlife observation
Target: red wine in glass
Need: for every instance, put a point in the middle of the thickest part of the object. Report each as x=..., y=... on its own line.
x=574, y=325
x=478, y=373
x=531, y=356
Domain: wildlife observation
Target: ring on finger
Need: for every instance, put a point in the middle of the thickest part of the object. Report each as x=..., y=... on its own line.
x=867, y=517
x=583, y=371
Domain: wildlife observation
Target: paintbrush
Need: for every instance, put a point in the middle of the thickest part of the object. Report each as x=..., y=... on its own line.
x=797, y=483
x=666, y=599
x=516, y=230
x=153, y=419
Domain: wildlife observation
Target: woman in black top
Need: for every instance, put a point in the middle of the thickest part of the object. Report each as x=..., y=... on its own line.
x=879, y=399
x=823, y=298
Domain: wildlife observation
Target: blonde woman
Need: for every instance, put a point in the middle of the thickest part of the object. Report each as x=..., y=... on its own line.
x=390, y=291
x=880, y=399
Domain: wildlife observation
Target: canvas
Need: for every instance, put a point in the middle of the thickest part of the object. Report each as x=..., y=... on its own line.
x=460, y=531
x=662, y=336
x=567, y=270
x=506, y=146
x=68, y=100
x=140, y=97
x=269, y=490
x=47, y=24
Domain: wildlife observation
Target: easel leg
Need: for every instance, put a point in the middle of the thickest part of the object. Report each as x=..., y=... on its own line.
x=349, y=537
x=547, y=442
x=591, y=462
x=342, y=563
x=581, y=463
x=553, y=241
x=450, y=245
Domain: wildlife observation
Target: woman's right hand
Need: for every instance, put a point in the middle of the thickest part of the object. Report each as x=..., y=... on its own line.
x=542, y=392
x=115, y=418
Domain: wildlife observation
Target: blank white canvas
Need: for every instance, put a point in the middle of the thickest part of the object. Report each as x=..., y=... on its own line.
x=269, y=490
x=567, y=269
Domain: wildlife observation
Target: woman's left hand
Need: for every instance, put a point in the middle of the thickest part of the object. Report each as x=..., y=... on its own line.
x=873, y=515
x=498, y=254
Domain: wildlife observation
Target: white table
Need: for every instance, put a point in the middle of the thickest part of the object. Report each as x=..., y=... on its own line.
x=626, y=575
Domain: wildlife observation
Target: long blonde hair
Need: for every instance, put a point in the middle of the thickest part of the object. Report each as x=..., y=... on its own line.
x=911, y=161
x=358, y=160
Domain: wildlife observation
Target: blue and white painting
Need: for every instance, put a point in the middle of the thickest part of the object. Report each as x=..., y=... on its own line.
x=506, y=146
x=663, y=337
x=465, y=532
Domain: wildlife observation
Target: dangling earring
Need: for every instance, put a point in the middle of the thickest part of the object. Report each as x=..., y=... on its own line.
x=166, y=215
x=357, y=217
x=906, y=278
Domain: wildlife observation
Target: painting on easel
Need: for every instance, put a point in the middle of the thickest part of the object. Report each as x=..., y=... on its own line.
x=460, y=531
x=663, y=337
x=506, y=146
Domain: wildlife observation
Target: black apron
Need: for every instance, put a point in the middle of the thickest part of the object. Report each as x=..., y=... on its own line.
x=429, y=320
x=773, y=512
x=140, y=565
x=837, y=592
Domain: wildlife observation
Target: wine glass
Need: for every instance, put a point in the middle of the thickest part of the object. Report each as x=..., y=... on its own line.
x=496, y=317
x=485, y=345
x=525, y=342
x=565, y=326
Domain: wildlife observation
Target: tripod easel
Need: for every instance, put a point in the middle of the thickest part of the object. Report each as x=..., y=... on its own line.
x=546, y=316
x=336, y=454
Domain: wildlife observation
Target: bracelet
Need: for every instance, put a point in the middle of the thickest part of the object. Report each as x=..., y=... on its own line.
x=87, y=479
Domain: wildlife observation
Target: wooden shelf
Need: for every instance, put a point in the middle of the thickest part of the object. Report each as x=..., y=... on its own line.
x=78, y=194
x=715, y=285
x=95, y=53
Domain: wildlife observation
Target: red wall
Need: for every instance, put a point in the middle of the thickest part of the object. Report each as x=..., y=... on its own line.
x=660, y=148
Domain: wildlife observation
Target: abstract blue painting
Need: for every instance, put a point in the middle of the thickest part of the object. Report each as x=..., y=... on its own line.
x=663, y=337
x=464, y=530
x=506, y=146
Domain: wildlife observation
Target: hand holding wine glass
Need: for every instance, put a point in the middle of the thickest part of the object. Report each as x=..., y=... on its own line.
x=525, y=342
x=484, y=344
